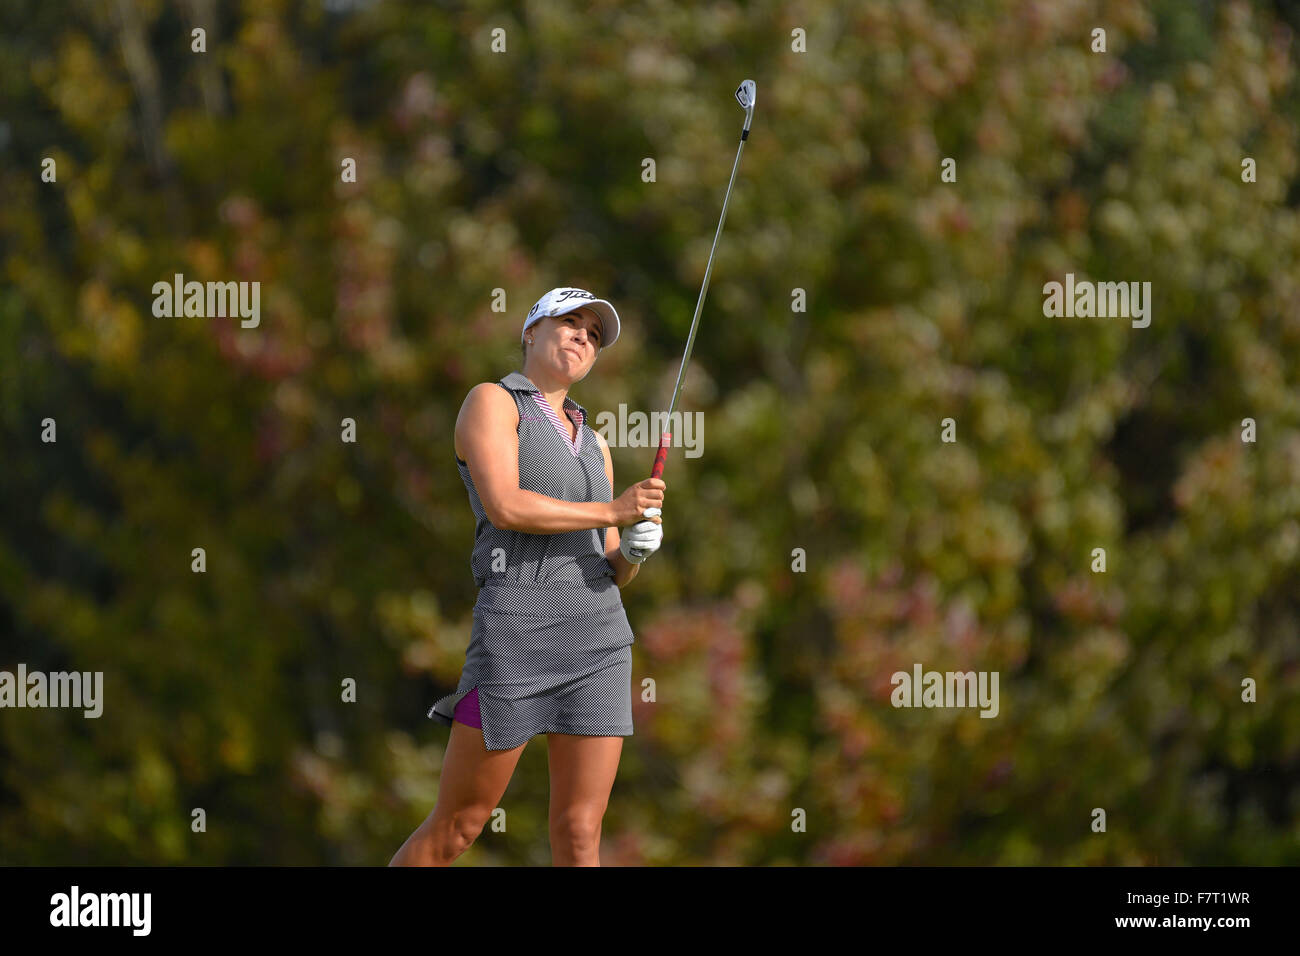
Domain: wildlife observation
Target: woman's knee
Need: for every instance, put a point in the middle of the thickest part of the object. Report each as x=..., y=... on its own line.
x=578, y=827
x=452, y=833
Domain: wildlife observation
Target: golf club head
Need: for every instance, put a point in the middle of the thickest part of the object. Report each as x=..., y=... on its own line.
x=745, y=94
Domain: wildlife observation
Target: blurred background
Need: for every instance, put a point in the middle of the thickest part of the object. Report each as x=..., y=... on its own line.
x=521, y=171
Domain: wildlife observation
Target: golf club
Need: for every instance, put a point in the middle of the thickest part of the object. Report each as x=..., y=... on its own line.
x=745, y=95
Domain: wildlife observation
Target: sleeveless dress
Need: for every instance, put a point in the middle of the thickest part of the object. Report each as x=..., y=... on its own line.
x=550, y=650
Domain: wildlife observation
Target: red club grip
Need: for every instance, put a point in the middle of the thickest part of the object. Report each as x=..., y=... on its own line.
x=661, y=455
x=658, y=470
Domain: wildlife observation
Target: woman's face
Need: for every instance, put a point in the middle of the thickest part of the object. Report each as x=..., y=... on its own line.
x=568, y=343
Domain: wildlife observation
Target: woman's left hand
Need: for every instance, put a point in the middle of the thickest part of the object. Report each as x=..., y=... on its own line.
x=644, y=537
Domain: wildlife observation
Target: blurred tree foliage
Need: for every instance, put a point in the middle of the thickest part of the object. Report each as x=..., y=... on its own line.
x=522, y=171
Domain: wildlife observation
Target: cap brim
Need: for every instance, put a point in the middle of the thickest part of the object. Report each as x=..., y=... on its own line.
x=609, y=323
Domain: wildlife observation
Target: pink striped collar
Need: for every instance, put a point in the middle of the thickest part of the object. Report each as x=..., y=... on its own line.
x=517, y=381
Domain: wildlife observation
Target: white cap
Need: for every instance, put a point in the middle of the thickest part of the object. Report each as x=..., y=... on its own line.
x=566, y=299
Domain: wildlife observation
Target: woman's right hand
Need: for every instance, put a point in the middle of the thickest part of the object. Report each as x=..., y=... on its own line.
x=628, y=506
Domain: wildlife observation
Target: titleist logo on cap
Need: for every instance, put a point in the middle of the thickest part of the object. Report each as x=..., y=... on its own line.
x=563, y=297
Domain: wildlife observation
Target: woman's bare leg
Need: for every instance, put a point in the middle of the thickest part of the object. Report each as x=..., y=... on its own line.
x=582, y=775
x=472, y=782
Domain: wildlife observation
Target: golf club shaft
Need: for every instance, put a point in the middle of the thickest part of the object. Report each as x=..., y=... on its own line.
x=666, y=438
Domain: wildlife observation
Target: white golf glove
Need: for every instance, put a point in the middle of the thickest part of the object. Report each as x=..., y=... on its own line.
x=644, y=536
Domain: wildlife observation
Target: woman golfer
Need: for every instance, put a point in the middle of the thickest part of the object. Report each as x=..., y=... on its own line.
x=550, y=650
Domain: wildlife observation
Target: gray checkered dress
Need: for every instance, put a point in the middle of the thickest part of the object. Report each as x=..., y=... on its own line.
x=550, y=650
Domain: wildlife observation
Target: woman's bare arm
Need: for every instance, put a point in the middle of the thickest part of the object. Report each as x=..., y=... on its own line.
x=486, y=429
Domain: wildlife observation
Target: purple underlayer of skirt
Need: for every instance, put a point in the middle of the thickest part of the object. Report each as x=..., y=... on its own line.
x=467, y=710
